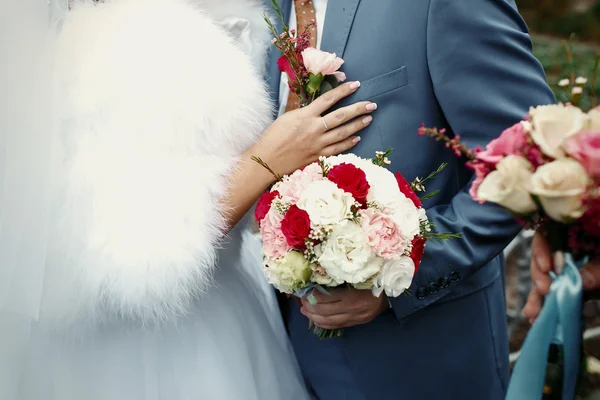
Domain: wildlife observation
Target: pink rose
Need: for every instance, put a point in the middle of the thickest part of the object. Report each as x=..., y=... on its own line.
x=384, y=236
x=321, y=62
x=481, y=171
x=585, y=148
x=292, y=186
x=274, y=242
x=509, y=143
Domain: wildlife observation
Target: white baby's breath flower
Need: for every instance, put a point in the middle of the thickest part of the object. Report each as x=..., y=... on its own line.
x=577, y=90
x=563, y=83
x=581, y=80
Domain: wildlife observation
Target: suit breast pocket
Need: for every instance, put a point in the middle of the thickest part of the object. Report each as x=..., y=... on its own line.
x=380, y=85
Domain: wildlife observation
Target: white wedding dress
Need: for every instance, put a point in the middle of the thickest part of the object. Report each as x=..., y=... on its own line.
x=121, y=123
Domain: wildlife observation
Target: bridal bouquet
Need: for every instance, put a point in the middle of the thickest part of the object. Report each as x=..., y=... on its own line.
x=344, y=220
x=546, y=171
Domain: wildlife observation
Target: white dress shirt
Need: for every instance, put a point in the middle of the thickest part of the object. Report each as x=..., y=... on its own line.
x=320, y=9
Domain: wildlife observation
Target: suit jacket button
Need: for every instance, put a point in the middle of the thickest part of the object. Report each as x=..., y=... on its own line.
x=454, y=276
x=433, y=287
x=422, y=293
x=444, y=282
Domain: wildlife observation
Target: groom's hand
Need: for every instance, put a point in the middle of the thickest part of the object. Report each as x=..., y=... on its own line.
x=344, y=308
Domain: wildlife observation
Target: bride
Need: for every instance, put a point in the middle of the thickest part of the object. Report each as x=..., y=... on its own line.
x=125, y=173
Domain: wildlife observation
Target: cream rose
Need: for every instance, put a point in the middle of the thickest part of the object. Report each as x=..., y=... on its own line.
x=553, y=124
x=509, y=184
x=395, y=277
x=560, y=186
x=325, y=203
x=321, y=277
x=289, y=273
x=347, y=256
x=594, y=120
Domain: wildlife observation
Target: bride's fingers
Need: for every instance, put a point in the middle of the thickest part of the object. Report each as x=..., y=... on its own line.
x=340, y=133
x=329, y=99
x=340, y=147
x=339, y=117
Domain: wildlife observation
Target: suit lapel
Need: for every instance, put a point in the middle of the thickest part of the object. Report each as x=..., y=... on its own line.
x=274, y=75
x=338, y=23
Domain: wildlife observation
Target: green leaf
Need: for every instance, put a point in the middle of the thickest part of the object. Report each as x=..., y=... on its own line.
x=312, y=299
x=314, y=83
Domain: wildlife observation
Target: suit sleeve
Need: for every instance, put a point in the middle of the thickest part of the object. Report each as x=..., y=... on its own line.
x=485, y=78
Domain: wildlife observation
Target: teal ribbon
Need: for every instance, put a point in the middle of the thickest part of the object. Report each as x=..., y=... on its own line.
x=559, y=322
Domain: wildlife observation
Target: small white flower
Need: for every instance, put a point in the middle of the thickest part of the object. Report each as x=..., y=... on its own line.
x=581, y=80
x=564, y=83
x=577, y=90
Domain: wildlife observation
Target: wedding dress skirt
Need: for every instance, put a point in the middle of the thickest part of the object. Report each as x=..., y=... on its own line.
x=232, y=345
x=118, y=280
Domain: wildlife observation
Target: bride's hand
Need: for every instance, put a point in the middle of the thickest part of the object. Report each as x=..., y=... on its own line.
x=299, y=137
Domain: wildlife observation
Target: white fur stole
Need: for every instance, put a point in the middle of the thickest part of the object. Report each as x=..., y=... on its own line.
x=156, y=103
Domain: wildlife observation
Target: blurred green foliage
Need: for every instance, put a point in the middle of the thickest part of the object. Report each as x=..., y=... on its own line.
x=551, y=53
x=563, y=17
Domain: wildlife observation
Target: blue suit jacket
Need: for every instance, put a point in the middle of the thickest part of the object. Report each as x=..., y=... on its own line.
x=461, y=64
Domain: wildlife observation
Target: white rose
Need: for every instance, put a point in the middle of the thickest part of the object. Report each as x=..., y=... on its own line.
x=346, y=254
x=509, y=185
x=553, y=124
x=289, y=273
x=396, y=276
x=594, y=120
x=560, y=186
x=325, y=203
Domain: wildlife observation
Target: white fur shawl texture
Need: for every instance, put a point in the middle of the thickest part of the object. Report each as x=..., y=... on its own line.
x=157, y=101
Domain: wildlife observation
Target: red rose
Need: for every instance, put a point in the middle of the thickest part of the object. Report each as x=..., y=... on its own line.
x=284, y=66
x=295, y=226
x=407, y=190
x=418, y=249
x=264, y=205
x=351, y=180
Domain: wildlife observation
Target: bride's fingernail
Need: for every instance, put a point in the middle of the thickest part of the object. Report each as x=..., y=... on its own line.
x=356, y=139
x=371, y=106
x=354, y=85
x=367, y=120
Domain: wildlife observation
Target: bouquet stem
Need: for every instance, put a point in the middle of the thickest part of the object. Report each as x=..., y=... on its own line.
x=325, y=333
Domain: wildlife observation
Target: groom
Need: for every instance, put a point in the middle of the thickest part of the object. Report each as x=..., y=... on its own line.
x=465, y=65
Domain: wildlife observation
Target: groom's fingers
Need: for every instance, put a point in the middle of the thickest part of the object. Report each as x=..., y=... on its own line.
x=322, y=298
x=534, y=305
x=328, y=322
x=541, y=264
x=324, y=309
